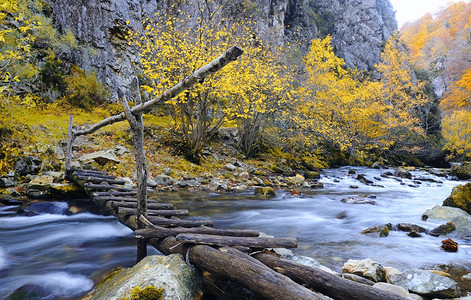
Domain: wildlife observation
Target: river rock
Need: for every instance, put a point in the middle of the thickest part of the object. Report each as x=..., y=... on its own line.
x=27, y=165
x=366, y=268
x=353, y=200
x=100, y=157
x=363, y=179
x=460, y=197
x=265, y=191
x=296, y=180
x=398, y=290
x=460, y=218
x=462, y=172
x=403, y=173
x=169, y=273
x=408, y=227
x=312, y=175
x=6, y=182
x=377, y=231
x=230, y=167
x=426, y=284
x=443, y=229
x=163, y=179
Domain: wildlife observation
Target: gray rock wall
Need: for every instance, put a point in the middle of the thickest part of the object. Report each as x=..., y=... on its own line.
x=359, y=28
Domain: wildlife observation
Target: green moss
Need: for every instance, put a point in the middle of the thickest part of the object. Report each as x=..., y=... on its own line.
x=148, y=293
x=460, y=197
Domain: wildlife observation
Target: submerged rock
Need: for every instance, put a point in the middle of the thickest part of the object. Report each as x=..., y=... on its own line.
x=460, y=197
x=403, y=173
x=426, y=283
x=353, y=200
x=366, y=268
x=169, y=273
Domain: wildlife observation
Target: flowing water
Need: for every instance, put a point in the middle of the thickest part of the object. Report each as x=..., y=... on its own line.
x=62, y=254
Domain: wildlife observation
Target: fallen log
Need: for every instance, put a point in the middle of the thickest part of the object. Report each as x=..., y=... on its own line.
x=175, y=222
x=99, y=179
x=94, y=175
x=93, y=186
x=328, y=284
x=120, y=199
x=114, y=193
x=151, y=212
x=251, y=242
x=239, y=268
x=162, y=232
x=160, y=206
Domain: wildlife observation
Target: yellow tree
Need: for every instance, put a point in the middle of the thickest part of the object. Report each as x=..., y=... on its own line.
x=172, y=46
x=457, y=134
x=400, y=90
x=336, y=105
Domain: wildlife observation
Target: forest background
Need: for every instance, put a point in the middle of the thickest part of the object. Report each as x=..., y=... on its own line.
x=280, y=103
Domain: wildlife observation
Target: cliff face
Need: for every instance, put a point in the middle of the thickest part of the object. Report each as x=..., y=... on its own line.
x=358, y=28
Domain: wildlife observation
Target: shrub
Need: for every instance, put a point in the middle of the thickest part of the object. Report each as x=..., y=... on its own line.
x=84, y=90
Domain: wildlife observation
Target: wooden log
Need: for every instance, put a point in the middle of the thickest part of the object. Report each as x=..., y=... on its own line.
x=324, y=282
x=93, y=186
x=115, y=193
x=158, y=206
x=92, y=172
x=162, y=232
x=241, y=269
x=120, y=199
x=228, y=56
x=151, y=212
x=99, y=179
x=76, y=173
x=175, y=222
x=252, y=242
x=70, y=141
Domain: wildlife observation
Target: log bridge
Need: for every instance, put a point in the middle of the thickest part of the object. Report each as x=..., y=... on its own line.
x=237, y=255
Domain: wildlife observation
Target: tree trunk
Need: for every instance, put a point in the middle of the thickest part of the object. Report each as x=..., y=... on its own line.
x=328, y=284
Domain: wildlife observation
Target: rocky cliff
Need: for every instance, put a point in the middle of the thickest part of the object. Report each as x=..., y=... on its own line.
x=358, y=27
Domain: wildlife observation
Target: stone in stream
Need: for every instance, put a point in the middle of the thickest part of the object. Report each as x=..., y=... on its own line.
x=378, y=231
x=449, y=245
x=353, y=200
x=6, y=182
x=265, y=191
x=460, y=218
x=443, y=229
x=366, y=268
x=460, y=197
x=426, y=283
x=402, y=173
x=408, y=227
x=169, y=273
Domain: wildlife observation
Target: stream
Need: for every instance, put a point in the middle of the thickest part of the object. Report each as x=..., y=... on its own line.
x=60, y=255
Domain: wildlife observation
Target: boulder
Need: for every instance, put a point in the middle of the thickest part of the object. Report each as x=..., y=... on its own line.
x=426, y=283
x=6, y=182
x=169, y=273
x=163, y=179
x=265, y=191
x=27, y=165
x=296, y=180
x=312, y=175
x=462, y=172
x=402, y=173
x=100, y=157
x=377, y=231
x=366, y=268
x=460, y=218
x=443, y=229
x=460, y=197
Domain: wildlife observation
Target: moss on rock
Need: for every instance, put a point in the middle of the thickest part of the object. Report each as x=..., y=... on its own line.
x=460, y=197
x=148, y=293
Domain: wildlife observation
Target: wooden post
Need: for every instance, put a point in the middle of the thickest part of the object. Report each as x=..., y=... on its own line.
x=137, y=129
x=70, y=141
